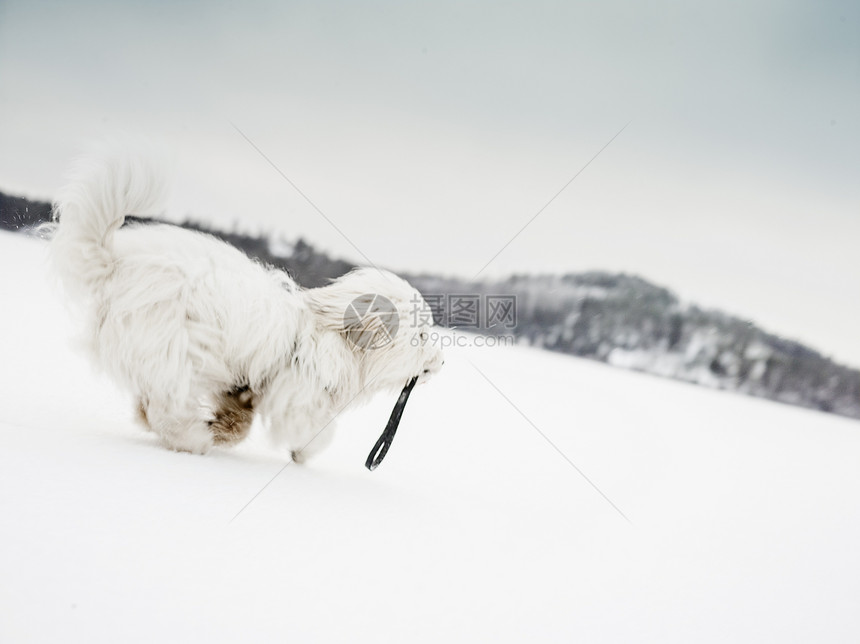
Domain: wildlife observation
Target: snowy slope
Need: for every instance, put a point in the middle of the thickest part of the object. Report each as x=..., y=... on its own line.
x=745, y=514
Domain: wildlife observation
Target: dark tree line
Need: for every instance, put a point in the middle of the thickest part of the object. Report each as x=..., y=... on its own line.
x=629, y=322
x=17, y=213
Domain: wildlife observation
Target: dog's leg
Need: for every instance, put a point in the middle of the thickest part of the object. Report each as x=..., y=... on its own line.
x=315, y=435
x=182, y=430
x=234, y=413
x=303, y=426
x=313, y=447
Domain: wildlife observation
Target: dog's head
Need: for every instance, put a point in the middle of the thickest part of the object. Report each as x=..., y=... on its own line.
x=384, y=322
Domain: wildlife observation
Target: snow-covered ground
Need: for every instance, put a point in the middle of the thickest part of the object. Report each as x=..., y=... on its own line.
x=744, y=514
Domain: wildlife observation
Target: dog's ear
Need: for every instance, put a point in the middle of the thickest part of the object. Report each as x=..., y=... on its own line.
x=365, y=325
x=365, y=320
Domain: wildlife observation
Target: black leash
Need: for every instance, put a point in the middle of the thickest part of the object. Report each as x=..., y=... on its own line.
x=381, y=448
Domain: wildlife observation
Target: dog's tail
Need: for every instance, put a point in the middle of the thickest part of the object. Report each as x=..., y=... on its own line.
x=104, y=187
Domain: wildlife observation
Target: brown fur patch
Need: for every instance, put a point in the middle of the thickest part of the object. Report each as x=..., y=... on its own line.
x=141, y=414
x=233, y=416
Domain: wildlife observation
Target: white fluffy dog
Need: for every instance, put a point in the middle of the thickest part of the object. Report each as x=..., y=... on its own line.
x=205, y=338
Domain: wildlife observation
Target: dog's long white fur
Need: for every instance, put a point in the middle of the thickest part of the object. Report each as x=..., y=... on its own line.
x=181, y=319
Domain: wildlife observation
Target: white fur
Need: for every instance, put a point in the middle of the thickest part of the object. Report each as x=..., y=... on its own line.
x=178, y=318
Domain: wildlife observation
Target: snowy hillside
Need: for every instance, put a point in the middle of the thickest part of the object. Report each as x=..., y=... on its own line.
x=744, y=515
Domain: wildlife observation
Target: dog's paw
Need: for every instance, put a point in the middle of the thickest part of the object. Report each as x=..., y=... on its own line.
x=191, y=442
x=298, y=457
x=199, y=449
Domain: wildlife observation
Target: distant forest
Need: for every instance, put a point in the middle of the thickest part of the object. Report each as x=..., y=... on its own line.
x=618, y=319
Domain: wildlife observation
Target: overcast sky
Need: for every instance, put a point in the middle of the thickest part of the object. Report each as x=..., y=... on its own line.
x=430, y=133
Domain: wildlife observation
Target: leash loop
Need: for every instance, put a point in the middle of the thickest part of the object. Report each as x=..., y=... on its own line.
x=380, y=449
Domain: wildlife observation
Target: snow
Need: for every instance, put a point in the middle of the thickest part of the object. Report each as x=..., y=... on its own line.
x=281, y=247
x=744, y=513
